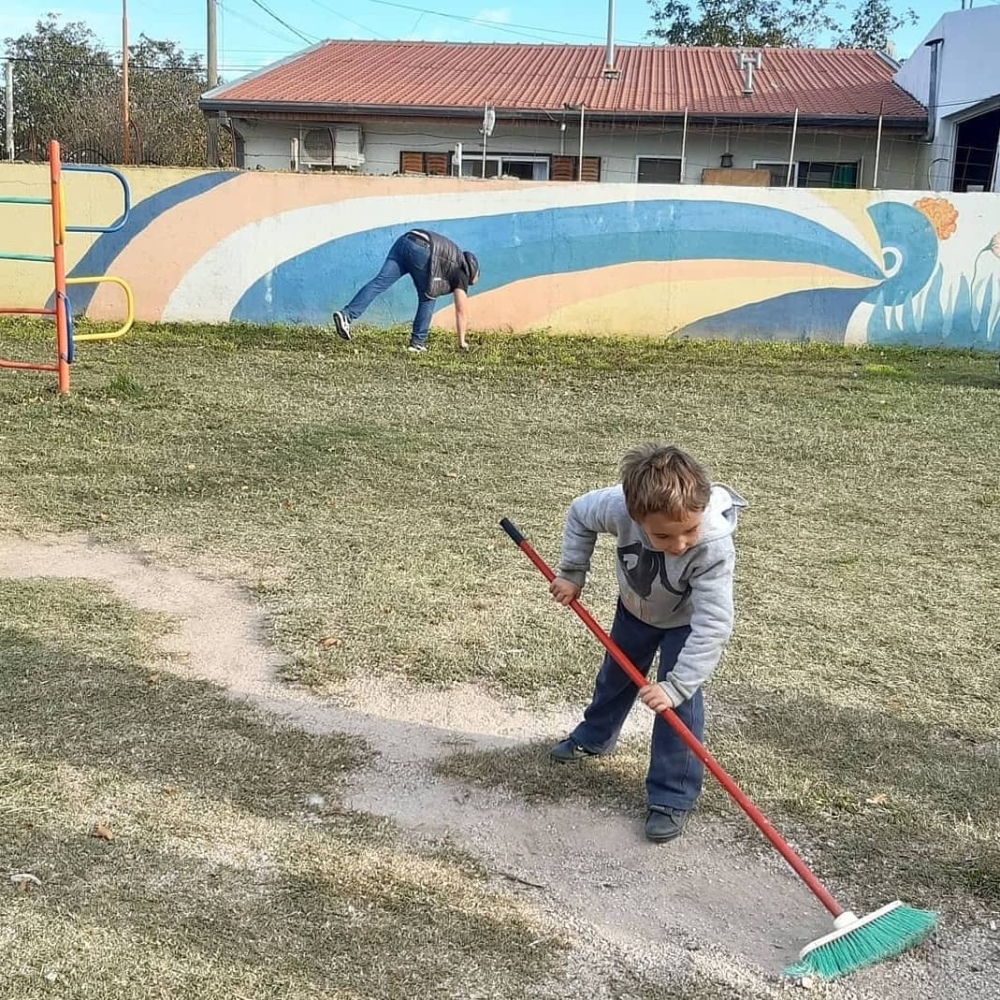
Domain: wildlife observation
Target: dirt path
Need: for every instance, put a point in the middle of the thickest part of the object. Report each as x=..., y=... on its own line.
x=699, y=902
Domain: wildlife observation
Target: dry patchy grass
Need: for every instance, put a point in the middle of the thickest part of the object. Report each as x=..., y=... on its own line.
x=360, y=488
x=219, y=881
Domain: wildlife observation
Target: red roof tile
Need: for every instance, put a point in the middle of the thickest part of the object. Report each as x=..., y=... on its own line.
x=654, y=80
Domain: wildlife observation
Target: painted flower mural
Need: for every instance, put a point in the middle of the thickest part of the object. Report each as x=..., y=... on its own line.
x=942, y=214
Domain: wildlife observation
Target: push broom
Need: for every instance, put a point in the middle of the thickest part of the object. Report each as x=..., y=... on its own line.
x=855, y=941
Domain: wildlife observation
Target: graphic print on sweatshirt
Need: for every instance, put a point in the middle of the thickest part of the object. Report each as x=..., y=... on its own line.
x=643, y=566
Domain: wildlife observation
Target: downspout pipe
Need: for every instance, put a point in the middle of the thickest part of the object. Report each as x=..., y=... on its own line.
x=933, y=96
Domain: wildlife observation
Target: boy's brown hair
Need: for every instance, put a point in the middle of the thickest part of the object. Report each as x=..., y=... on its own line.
x=661, y=479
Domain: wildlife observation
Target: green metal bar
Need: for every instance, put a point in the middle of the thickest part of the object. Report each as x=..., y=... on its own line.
x=16, y=200
x=26, y=256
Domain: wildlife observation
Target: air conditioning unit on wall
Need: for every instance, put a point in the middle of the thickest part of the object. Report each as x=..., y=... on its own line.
x=327, y=147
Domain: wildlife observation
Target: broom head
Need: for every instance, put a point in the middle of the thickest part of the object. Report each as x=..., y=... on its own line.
x=860, y=941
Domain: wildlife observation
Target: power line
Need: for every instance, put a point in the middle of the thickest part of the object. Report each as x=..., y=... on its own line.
x=249, y=20
x=512, y=29
x=309, y=40
x=350, y=20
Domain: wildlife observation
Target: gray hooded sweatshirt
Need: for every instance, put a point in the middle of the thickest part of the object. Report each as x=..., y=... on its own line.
x=695, y=588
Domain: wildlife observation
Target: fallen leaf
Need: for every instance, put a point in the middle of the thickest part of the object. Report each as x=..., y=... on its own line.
x=24, y=881
x=101, y=832
x=331, y=642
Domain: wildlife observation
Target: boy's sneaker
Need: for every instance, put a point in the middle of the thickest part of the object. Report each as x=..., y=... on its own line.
x=417, y=349
x=566, y=751
x=664, y=823
x=342, y=325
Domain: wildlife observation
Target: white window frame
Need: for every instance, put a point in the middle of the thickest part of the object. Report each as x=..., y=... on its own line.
x=500, y=158
x=767, y=164
x=859, y=163
x=682, y=160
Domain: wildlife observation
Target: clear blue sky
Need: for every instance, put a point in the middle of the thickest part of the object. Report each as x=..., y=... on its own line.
x=250, y=36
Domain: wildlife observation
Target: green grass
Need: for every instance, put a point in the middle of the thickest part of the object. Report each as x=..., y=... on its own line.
x=359, y=490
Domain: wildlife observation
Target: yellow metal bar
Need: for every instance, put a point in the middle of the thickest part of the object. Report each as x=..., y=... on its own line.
x=129, y=307
x=62, y=212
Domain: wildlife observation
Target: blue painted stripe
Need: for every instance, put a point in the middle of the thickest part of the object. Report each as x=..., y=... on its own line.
x=820, y=314
x=100, y=256
x=524, y=245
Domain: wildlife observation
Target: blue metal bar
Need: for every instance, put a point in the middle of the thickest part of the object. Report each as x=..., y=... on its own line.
x=87, y=168
x=69, y=329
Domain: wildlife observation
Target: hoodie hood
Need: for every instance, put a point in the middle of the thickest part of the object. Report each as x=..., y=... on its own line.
x=719, y=520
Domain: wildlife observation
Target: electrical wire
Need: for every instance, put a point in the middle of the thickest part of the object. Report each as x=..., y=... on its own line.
x=308, y=39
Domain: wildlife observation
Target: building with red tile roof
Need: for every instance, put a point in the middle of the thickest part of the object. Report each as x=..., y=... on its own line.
x=554, y=112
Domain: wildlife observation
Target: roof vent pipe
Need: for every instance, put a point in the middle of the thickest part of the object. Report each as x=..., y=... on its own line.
x=748, y=62
x=610, y=73
x=933, y=95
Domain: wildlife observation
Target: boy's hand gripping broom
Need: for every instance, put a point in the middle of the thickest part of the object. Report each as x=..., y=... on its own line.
x=855, y=941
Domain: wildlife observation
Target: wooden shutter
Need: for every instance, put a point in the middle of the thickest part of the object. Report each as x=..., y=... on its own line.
x=411, y=163
x=438, y=164
x=566, y=168
x=563, y=168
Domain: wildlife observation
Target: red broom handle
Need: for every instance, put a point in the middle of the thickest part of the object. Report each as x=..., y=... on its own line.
x=670, y=717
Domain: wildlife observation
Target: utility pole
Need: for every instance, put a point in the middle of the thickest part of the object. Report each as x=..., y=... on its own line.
x=212, y=60
x=125, y=116
x=9, y=117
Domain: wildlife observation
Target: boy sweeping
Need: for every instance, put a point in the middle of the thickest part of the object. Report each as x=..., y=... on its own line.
x=675, y=560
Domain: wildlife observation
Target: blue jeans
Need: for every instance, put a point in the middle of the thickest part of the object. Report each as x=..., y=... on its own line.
x=675, y=775
x=407, y=256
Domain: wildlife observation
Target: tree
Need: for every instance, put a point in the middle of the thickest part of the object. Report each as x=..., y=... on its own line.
x=750, y=23
x=873, y=25
x=164, y=88
x=67, y=87
x=777, y=23
x=53, y=66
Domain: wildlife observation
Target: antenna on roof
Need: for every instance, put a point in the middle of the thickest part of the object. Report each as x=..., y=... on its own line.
x=748, y=62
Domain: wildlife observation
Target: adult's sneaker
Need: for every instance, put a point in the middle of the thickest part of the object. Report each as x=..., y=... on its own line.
x=342, y=325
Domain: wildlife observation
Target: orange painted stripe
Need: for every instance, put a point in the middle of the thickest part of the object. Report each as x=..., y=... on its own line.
x=525, y=305
x=155, y=263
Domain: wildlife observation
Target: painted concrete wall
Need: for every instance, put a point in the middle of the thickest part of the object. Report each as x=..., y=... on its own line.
x=968, y=73
x=839, y=266
x=268, y=147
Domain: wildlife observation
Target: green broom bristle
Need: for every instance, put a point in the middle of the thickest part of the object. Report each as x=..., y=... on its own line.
x=888, y=935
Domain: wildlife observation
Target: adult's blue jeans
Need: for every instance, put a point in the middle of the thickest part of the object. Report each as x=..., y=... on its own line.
x=407, y=256
x=675, y=775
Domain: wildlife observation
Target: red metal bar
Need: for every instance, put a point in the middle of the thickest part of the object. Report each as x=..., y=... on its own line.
x=28, y=366
x=9, y=311
x=59, y=268
x=670, y=717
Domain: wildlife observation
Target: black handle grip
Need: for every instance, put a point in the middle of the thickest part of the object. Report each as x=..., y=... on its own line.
x=508, y=525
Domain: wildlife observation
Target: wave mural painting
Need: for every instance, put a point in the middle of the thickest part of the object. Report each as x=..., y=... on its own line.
x=671, y=260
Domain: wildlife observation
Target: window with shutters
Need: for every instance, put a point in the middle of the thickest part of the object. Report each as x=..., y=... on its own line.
x=436, y=164
x=567, y=168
